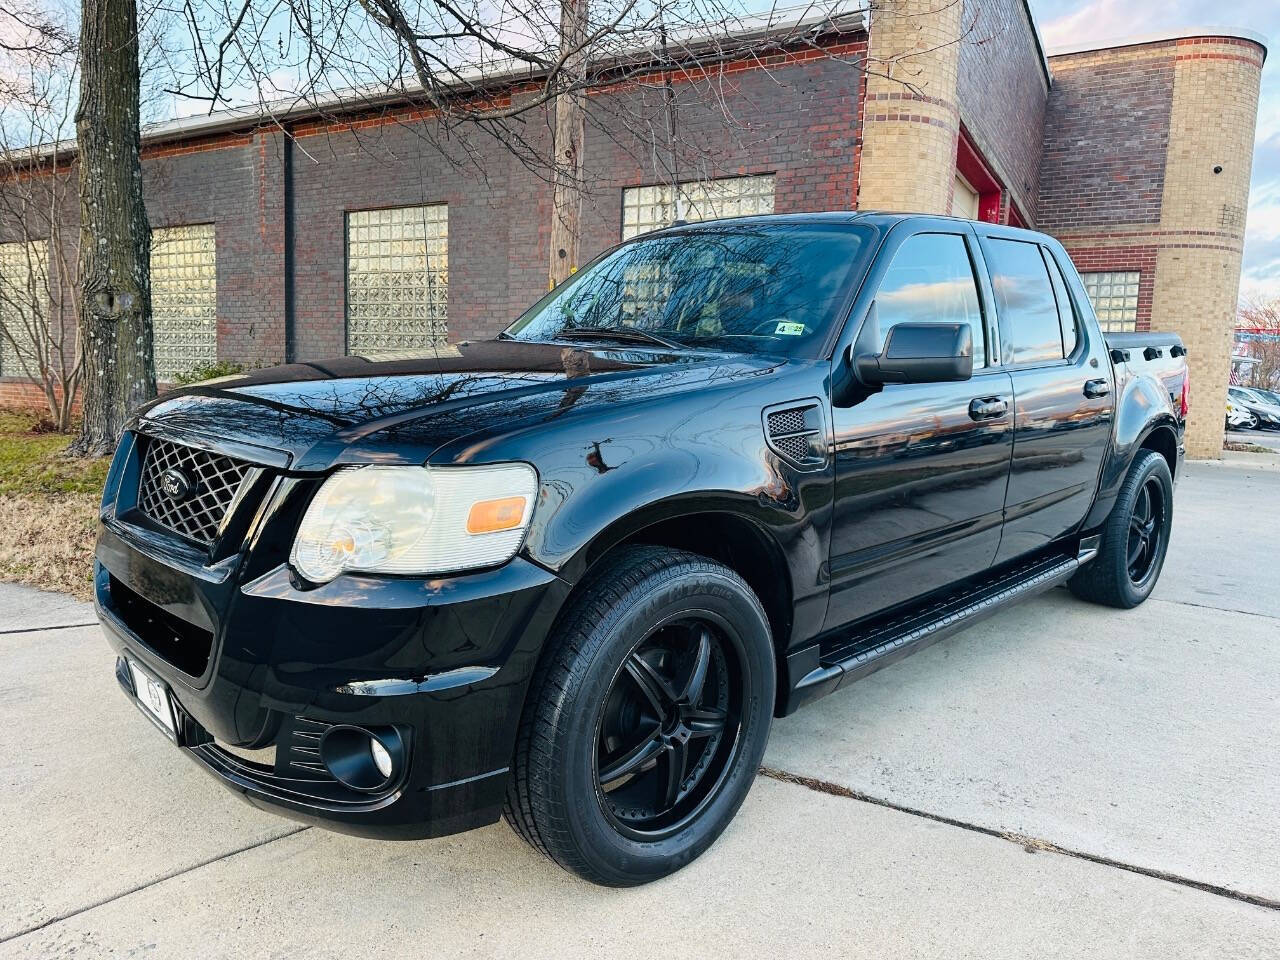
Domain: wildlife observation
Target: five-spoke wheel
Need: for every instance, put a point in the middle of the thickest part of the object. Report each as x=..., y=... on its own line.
x=1146, y=530
x=647, y=718
x=668, y=728
x=1135, y=537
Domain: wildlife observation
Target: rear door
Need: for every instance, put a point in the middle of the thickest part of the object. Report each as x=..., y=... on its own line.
x=920, y=469
x=1062, y=388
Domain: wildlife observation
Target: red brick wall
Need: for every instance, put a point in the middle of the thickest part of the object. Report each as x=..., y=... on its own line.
x=798, y=120
x=1002, y=92
x=1106, y=136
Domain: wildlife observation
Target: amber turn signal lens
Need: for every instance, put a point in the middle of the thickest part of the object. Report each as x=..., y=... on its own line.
x=488, y=516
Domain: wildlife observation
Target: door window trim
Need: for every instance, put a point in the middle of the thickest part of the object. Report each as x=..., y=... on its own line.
x=869, y=291
x=1081, y=336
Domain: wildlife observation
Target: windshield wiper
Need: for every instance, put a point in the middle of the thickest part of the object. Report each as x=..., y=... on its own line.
x=626, y=334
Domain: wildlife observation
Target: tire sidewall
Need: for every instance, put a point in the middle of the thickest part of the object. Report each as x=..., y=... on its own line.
x=1152, y=465
x=677, y=592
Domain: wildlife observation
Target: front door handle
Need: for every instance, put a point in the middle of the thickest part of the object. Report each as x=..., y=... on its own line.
x=988, y=408
x=1093, y=389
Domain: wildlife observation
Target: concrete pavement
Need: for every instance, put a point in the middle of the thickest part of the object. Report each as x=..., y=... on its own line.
x=1142, y=744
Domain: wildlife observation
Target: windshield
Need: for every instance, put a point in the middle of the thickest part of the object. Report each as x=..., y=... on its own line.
x=1268, y=395
x=759, y=288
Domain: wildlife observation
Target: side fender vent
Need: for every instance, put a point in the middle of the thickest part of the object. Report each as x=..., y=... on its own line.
x=796, y=432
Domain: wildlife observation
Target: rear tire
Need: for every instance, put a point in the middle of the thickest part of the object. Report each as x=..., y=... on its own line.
x=1135, y=538
x=646, y=719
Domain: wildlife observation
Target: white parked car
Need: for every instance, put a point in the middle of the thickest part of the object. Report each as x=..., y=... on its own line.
x=1239, y=416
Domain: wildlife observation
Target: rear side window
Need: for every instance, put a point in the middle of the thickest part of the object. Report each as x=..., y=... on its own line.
x=1025, y=301
x=931, y=281
x=1066, y=313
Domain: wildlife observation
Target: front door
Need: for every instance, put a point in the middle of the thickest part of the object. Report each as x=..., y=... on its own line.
x=920, y=469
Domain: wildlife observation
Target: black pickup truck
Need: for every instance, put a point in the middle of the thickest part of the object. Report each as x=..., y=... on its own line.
x=572, y=574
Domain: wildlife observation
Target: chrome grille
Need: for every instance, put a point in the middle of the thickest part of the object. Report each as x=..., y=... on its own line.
x=215, y=481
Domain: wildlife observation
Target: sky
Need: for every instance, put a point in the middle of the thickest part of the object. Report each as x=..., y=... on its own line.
x=1067, y=22
x=1064, y=22
x=1061, y=23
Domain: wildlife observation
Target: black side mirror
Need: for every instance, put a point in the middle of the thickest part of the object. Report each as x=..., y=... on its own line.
x=919, y=353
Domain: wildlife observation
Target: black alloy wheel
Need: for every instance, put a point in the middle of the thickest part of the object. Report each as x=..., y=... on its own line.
x=1135, y=537
x=668, y=729
x=1146, y=531
x=646, y=719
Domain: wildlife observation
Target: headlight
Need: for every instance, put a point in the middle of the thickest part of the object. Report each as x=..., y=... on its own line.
x=414, y=520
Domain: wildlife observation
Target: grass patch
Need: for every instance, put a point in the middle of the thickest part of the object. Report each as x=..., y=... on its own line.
x=33, y=460
x=1236, y=446
x=48, y=507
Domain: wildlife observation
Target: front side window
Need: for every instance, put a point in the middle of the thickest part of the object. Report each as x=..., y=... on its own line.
x=184, y=298
x=654, y=207
x=397, y=281
x=1025, y=302
x=931, y=281
x=768, y=288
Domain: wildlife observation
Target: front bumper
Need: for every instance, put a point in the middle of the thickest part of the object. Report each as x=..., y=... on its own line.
x=255, y=661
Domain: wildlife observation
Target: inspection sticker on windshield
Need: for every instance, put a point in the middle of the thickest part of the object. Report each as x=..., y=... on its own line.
x=786, y=328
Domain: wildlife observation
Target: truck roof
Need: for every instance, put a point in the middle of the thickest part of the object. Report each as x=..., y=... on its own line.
x=881, y=218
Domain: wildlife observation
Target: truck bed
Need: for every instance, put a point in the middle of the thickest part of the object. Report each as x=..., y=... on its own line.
x=1161, y=355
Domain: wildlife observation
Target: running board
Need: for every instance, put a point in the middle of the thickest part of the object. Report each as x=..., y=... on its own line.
x=841, y=660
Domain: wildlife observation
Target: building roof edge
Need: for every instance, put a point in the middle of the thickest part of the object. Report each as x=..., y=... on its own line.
x=1160, y=36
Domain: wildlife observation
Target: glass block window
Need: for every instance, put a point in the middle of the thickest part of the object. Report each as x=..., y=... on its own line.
x=397, y=281
x=184, y=298
x=23, y=302
x=648, y=208
x=1115, y=299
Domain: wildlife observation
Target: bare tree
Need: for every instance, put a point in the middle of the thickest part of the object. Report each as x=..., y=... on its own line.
x=115, y=305
x=39, y=273
x=568, y=144
x=28, y=31
x=1260, y=317
x=512, y=71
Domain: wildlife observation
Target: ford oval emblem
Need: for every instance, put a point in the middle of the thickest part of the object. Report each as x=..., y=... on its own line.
x=176, y=484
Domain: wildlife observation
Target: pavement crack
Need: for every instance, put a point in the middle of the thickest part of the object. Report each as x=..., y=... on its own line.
x=173, y=874
x=1211, y=606
x=1030, y=844
x=56, y=626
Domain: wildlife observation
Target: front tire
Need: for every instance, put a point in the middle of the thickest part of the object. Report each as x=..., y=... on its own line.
x=646, y=720
x=1135, y=538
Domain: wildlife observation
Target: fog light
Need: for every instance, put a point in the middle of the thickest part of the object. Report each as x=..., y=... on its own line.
x=363, y=759
x=381, y=759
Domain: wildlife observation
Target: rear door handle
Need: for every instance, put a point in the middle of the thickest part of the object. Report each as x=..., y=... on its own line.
x=1093, y=389
x=988, y=408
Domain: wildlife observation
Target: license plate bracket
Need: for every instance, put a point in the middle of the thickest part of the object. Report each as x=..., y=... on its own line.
x=151, y=696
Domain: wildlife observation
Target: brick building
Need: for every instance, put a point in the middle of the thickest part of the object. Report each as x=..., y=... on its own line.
x=323, y=233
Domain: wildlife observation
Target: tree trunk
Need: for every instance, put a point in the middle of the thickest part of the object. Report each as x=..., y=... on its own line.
x=115, y=239
x=570, y=107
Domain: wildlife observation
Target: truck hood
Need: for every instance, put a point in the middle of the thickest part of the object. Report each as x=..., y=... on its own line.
x=354, y=410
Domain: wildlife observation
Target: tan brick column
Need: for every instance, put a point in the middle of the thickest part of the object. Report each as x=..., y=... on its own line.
x=1215, y=108
x=911, y=122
